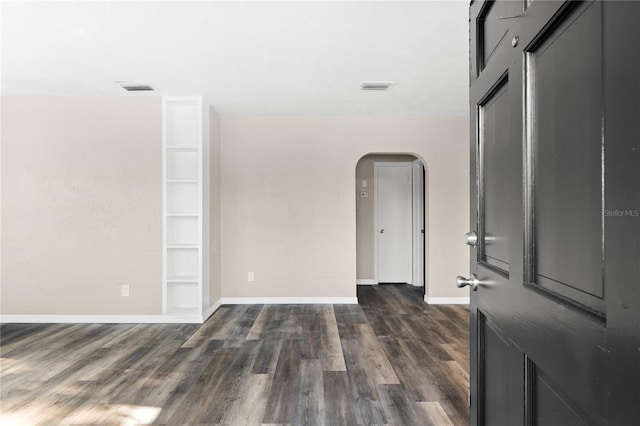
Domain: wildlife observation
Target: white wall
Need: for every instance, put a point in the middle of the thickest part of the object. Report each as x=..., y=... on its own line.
x=288, y=205
x=81, y=205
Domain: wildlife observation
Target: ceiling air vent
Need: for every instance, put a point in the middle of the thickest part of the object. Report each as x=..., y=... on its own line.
x=131, y=86
x=376, y=85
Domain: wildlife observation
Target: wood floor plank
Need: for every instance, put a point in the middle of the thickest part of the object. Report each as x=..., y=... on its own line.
x=226, y=321
x=351, y=314
x=363, y=386
x=456, y=410
x=309, y=400
x=339, y=401
x=411, y=375
x=378, y=321
x=154, y=339
x=458, y=354
x=22, y=338
x=459, y=378
x=192, y=376
x=292, y=326
x=55, y=391
x=398, y=409
x=311, y=345
x=238, y=334
x=224, y=389
x=49, y=387
x=202, y=334
x=453, y=329
x=403, y=328
x=393, y=359
x=123, y=333
x=250, y=403
x=157, y=387
x=31, y=356
x=396, y=299
x=202, y=384
x=65, y=405
x=332, y=356
x=267, y=358
x=45, y=348
x=311, y=317
x=377, y=364
x=284, y=386
x=10, y=333
x=421, y=350
x=141, y=375
x=432, y=414
x=258, y=326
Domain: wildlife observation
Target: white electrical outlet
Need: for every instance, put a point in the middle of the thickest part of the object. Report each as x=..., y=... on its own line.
x=250, y=276
x=125, y=290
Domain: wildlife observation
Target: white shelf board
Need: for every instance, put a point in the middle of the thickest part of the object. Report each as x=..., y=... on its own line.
x=183, y=148
x=182, y=181
x=183, y=246
x=182, y=279
x=182, y=215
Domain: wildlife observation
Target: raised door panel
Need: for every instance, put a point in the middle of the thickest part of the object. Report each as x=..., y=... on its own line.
x=493, y=24
x=500, y=371
x=566, y=111
x=551, y=407
x=496, y=176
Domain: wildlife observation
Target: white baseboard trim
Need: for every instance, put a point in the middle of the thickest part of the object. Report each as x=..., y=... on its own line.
x=446, y=300
x=111, y=319
x=211, y=310
x=366, y=282
x=102, y=319
x=289, y=300
x=177, y=318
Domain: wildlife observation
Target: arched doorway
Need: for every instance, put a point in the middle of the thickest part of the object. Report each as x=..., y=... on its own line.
x=378, y=200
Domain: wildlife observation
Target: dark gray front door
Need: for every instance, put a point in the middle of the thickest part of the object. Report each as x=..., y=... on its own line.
x=555, y=108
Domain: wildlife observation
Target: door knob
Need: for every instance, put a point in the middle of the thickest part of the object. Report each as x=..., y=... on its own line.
x=471, y=282
x=471, y=238
x=382, y=231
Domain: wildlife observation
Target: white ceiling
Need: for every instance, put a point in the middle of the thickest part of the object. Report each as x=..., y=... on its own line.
x=246, y=58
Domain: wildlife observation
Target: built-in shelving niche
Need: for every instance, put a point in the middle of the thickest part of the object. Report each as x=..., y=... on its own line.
x=185, y=206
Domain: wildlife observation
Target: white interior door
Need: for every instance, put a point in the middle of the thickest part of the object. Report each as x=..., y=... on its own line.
x=393, y=200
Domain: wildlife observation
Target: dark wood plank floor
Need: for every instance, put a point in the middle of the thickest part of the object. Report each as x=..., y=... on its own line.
x=390, y=360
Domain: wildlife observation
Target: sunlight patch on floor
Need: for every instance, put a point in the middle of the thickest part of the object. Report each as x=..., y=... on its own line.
x=121, y=414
